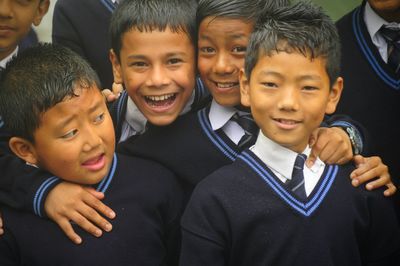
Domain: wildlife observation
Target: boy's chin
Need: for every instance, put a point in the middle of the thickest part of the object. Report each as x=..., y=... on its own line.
x=162, y=120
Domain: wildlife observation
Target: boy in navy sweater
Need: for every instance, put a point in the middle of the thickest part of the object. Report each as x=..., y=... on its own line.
x=199, y=143
x=265, y=209
x=159, y=80
x=371, y=80
x=63, y=126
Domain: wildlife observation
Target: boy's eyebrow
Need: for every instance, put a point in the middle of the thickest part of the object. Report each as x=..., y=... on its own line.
x=303, y=77
x=65, y=122
x=231, y=36
x=95, y=106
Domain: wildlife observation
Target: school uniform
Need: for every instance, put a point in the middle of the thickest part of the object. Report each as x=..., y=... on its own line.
x=244, y=214
x=20, y=183
x=147, y=201
x=196, y=144
x=372, y=89
x=83, y=27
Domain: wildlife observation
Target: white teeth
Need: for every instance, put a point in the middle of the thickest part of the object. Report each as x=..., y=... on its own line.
x=160, y=97
x=226, y=85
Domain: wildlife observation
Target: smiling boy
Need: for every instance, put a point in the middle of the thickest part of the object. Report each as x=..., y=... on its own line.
x=268, y=207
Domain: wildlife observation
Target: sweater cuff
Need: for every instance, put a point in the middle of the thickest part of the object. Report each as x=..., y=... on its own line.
x=39, y=196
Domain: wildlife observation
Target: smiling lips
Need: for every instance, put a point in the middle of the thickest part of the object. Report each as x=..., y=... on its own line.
x=286, y=123
x=161, y=101
x=5, y=30
x=96, y=163
x=226, y=85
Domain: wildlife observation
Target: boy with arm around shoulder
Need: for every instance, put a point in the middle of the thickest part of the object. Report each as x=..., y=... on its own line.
x=63, y=126
x=265, y=209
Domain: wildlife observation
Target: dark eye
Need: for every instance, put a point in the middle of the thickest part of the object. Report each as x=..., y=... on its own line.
x=310, y=88
x=207, y=50
x=174, y=61
x=70, y=134
x=239, y=49
x=138, y=64
x=270, y=85
x=99, y=118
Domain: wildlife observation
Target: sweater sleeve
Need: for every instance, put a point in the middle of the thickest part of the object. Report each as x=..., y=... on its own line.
x=22, y=186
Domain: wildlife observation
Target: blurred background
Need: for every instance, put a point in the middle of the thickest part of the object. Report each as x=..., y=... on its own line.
x=334, y=8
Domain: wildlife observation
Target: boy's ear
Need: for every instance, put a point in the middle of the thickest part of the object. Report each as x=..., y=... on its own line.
x=23, y=149
x=116, y=66
x=40, y=12
x=244, y=88
x=334, y=96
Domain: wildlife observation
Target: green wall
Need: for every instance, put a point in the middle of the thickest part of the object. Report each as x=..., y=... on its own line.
x=337, y=8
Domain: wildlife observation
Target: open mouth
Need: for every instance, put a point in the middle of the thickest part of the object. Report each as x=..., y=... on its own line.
x=227, y=85
x=161, y=100
x=95, y=163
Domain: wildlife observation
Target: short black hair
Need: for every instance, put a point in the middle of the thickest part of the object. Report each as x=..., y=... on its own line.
x=302, y=27
x=246, y=10
x=149, y=15
x=35, y=81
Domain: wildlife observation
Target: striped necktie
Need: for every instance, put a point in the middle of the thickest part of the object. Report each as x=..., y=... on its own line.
x=392, y=37
x=296, y=184
x=250, y=128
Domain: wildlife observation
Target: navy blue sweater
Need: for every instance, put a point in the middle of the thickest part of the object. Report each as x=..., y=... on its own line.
x=242, y=214
x=147, y=200
x=371, y=92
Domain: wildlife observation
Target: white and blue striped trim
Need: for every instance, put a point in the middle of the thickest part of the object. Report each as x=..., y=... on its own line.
x=304, y=208
x=37, y=200
x=108, y=4
x=201, y=90
x=1, y=122
x=102, y=187
x=214, y=138
x=104, y=184
x=392, y=82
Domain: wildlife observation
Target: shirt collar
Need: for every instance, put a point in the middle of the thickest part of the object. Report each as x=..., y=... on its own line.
x=105, y=182
x=188, y=105
x=374, y=22
x=134, y=117
x=279, y=158
x=8, y=58
x=219, y=115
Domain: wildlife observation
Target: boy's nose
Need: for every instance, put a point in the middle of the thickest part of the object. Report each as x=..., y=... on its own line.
x=92, y=141
x=158, y=77
x=288, y=100
x=5, y=9
x=223, y=65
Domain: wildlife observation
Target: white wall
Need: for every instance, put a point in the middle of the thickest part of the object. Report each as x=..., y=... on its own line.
x=44, y=29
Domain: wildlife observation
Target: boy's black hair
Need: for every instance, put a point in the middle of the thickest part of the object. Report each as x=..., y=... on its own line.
x=36, y=80
x=246, y=10
x=302, y=27
x=149, y=15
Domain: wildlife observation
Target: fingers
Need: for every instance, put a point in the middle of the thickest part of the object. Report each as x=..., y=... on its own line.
x=332, y=146
x=110, y=97
x=391, y=190
x=95, y=193
x=66, y=227
x=117, y=88
x=71, y=202
x=372, y=168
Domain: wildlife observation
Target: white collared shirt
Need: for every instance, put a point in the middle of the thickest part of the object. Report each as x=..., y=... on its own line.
x=135, y=121
x=8, y=58
x=281, y=161
x=374, y=22
x=220, y=119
